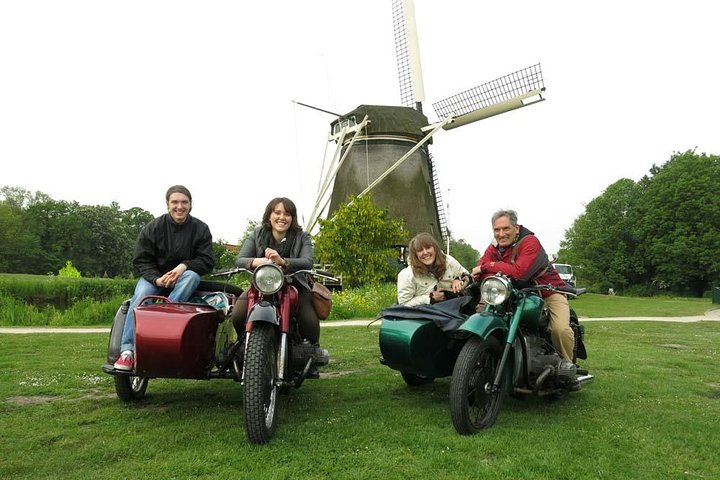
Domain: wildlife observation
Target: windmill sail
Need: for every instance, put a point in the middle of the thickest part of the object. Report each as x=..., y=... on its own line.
x=509, y=92
x=389, y=154
x=407, y=50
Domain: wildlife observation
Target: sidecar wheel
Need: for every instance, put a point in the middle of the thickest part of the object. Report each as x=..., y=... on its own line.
x=260, y=391
x=416, y=380
x=130, y=387
x=472, y=406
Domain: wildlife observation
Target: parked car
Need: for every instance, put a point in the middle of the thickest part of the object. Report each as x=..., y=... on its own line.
x=566, y=273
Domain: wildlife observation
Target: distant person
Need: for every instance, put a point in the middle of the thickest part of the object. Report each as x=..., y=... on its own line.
x=281, y=240
x=517, y=253
x=431, y=276
x=172, y=252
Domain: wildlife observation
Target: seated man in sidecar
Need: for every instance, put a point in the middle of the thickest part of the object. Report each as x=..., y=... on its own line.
x=517, y=253
x=172, y=252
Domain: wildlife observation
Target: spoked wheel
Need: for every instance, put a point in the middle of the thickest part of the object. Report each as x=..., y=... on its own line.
x=473, y=404
x=416, y=380
x=260, y=393
x=130, y=387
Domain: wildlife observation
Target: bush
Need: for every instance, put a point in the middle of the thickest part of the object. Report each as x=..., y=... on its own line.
x=62, y=292
x=363, y=302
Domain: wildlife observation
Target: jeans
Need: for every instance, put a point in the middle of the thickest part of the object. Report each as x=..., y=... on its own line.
x=183, y=289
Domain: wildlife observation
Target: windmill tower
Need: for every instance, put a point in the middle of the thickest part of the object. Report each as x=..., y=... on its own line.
x=385, y=149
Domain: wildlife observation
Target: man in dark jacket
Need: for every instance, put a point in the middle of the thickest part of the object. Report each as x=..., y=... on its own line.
x=517, y=253
x=172, y=253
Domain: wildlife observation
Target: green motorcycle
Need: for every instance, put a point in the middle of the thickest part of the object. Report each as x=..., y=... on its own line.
x=505, y=348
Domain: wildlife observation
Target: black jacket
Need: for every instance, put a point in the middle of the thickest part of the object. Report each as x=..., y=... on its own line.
x=163, y=244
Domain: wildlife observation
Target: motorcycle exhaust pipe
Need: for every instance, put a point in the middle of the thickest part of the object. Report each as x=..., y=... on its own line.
x=543, y=376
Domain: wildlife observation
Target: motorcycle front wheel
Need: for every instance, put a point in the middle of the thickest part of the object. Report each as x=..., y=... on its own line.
x=260, y=390
x=130, y=387
x=473, y=404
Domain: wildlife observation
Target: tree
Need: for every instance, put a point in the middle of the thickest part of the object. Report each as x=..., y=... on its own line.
x=69, y=271
x=603, y=241
x=464, y=253
x=18, y=246
x=678, y=222
x=661, y=233
x=358, y=241
x=224, y=258
x=38, y=234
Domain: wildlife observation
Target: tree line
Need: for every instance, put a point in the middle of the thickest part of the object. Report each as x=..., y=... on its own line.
x=39, y=235
x=659, y=234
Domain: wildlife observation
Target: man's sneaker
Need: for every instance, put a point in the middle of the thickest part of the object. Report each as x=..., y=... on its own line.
x=125, y=361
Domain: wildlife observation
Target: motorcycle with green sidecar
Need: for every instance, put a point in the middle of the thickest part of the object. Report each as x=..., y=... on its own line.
x=502, y=347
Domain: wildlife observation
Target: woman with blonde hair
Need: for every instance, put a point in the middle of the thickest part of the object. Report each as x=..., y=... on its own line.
x=431, y=276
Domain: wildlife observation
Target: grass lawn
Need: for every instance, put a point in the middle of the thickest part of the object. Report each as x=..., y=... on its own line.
x=653, y=412
x=595, y=305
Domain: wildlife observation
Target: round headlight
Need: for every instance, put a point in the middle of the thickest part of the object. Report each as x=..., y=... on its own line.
x=495, y=290
x=268, y=278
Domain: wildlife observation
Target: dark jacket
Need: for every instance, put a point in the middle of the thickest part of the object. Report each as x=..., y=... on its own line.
x=525, y=261
x=163, y=244
x=301, y=256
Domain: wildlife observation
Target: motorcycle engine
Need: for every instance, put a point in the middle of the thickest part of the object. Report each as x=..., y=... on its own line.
x=564, y=371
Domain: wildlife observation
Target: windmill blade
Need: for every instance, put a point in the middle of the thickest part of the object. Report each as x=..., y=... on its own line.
x=407, y=50
x=510, y=92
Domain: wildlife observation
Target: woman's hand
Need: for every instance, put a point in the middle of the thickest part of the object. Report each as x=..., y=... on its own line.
x=437, y=296
x=275, y=257
x=457, y=285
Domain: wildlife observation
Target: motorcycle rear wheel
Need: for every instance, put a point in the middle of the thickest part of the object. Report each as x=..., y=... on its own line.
x=130, y=387
x=260, y=391
x=472, y=405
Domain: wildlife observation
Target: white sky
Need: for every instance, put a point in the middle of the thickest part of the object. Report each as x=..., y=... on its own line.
x=114, y=101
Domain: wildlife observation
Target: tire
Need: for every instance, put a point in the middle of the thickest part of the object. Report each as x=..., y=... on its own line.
x=260, y=391
x=472, y=407
x=130, y=388
x=413, y=380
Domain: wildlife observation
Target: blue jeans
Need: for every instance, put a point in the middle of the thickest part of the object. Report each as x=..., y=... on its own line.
x=183, y=289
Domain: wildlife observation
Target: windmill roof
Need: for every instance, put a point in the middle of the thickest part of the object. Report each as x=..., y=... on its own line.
x=389, y=120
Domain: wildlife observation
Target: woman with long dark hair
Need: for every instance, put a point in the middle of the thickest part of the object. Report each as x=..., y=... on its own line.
x=280, y=239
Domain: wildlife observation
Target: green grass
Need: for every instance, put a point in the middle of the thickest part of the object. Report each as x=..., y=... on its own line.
x=653, y=412
x=595, y=305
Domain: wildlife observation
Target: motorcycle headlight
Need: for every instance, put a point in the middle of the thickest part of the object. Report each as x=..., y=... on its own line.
x=495, y=290
x=268, y=278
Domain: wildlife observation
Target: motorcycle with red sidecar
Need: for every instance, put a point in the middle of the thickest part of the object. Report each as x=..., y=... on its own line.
x=197, y=340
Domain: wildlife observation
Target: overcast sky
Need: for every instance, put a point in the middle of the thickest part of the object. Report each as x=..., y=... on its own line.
x=115, y=101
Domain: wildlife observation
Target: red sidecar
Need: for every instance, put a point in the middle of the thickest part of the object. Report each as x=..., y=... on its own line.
x=193, y=340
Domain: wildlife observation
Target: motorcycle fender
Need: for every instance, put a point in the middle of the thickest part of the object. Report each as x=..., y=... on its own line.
x=263, y=312
x=483, y=324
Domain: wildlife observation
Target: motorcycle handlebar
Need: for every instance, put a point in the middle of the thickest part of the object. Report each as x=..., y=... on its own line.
x=316, y=273
x=229, y=272
x=573, y=292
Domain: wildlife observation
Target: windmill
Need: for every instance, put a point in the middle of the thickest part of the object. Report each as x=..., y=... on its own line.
x=385, y=149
